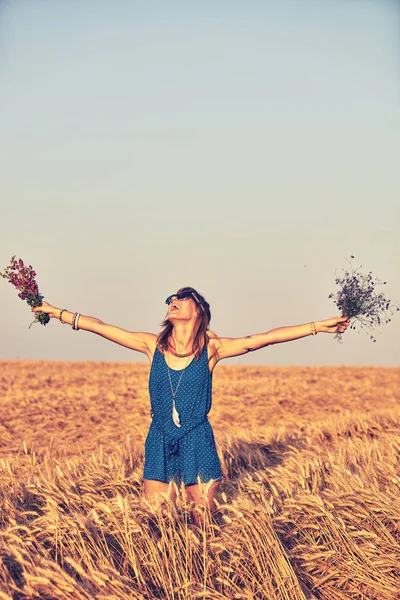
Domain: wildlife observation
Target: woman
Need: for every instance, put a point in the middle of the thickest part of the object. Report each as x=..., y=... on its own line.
x=180, y=444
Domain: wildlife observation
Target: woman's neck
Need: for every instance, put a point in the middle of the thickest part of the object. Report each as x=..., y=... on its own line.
x=181, y=338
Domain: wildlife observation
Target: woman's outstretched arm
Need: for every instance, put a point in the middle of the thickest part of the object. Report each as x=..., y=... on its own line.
x=229, y=347
x=140, y=341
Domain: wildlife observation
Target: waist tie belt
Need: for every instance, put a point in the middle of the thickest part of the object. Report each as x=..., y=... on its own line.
x=173, y=444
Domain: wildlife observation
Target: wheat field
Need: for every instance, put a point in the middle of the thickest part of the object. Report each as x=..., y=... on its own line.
x=309, y=506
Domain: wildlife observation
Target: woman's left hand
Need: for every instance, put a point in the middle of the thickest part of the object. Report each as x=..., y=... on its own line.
x=333, y=325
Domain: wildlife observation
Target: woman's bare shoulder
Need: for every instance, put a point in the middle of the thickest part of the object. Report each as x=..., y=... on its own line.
x=214, y=343
x=212, y=336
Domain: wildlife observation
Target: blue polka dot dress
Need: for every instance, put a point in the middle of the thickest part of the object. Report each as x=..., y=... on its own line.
x=185, y=453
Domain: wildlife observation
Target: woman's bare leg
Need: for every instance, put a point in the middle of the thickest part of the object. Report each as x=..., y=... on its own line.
x=159, y=493
x=203, y=494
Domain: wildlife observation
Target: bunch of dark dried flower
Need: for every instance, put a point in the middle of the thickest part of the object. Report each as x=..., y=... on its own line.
x=359, y=299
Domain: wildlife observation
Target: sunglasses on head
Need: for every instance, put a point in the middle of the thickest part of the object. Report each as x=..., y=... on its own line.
x=181, y=296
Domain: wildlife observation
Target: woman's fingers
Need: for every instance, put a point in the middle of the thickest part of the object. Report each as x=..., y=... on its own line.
x=39, y=308
x=336, y=324
x=343, y=325
x=45, y=308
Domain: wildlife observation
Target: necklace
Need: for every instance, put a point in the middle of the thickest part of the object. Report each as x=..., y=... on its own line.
x=175, y=353
x=175, y=414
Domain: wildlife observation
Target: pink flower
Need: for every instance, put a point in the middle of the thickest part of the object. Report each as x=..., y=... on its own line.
x=23, y=278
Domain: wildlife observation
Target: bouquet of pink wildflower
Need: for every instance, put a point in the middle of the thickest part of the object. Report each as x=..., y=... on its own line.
x=359, y=299
x=23, y=278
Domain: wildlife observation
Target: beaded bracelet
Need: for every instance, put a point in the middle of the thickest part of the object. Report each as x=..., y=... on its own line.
x=313, y=329
x=59, y=316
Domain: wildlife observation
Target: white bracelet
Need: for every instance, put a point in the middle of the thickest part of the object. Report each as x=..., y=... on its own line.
x=76, y=321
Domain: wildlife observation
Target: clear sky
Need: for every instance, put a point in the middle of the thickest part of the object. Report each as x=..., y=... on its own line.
x=244, y=148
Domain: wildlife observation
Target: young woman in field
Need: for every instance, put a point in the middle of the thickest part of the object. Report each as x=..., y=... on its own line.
x=180, y=444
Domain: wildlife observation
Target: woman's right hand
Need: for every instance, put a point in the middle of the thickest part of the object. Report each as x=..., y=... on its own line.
x=48, y=309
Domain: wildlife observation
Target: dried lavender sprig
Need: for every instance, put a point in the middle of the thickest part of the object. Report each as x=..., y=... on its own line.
x=359, y=299
x=23, y=278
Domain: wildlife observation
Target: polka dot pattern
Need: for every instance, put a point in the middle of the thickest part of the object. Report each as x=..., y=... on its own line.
x=186, y=453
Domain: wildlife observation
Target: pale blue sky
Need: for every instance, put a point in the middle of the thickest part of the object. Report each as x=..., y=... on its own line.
x=243, y=148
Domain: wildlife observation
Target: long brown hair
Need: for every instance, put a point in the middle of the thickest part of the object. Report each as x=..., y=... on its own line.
x=200, y=329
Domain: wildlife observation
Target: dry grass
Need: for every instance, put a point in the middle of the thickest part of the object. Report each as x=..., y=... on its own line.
x=310, y=506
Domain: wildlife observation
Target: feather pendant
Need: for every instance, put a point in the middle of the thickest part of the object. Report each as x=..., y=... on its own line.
x=175, y=415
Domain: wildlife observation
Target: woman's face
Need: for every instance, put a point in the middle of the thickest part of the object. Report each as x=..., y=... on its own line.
x=181, y=310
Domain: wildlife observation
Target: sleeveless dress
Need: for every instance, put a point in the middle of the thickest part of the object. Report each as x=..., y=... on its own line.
x=186, y=453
